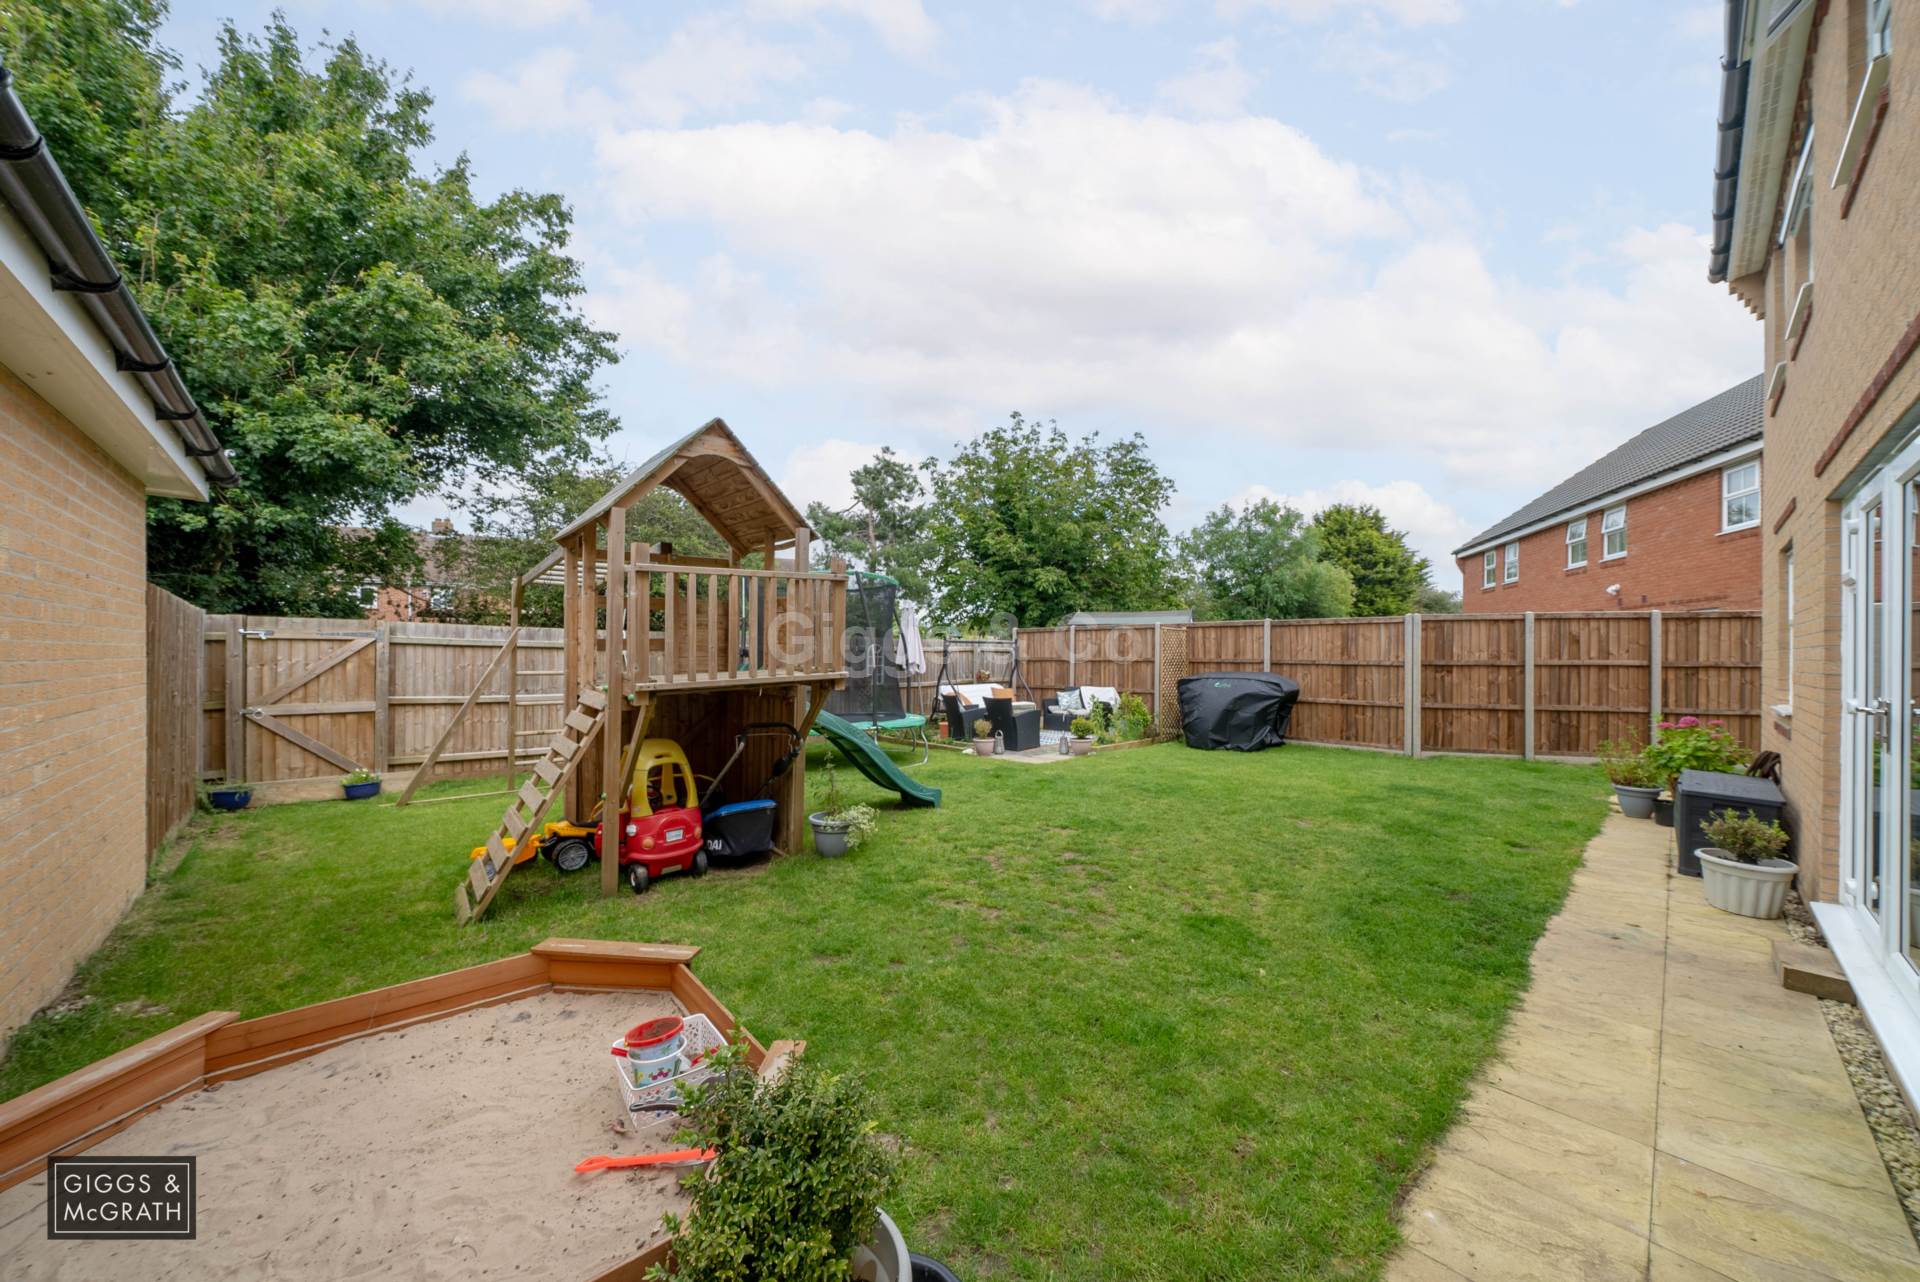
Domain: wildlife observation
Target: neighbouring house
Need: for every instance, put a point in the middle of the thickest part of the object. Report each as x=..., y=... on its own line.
x=1670, y=520
x=1817, y=171
x=435, y=592
x=93, y=420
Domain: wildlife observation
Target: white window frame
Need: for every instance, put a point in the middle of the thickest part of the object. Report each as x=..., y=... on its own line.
x=1879, y=28
x=1577, y=533
x=1728, y=494
x=368, y=595
x=1608, y=528
x=1800, y=201
x=1489, y=568
x=1786, y=574
x=1511, y=574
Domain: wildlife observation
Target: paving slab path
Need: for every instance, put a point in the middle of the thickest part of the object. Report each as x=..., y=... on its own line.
x=1660, y=1108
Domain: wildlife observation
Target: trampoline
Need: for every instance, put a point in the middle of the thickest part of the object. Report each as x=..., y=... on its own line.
x=872, y=698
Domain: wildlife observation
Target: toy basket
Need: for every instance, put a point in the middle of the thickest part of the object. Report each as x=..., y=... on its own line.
x=699, y=1038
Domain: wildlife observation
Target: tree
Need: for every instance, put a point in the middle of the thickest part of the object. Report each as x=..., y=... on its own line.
x=1263, y=562
x=1436, y=600
x=358, y=332
x=1387, y=574
x=884, y=528
x=1027, y=524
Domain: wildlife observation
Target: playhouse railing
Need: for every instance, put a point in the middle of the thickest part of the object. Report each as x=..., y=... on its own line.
x=707, y=625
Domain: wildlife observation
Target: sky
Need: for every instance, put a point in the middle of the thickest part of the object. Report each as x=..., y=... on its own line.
x=1434, y=255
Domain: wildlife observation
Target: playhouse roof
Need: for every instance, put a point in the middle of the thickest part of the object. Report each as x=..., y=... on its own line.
x=713, y=472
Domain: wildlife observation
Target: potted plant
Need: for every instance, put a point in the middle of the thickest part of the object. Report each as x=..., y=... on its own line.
x=1742, y=870
x=1081, y=743
x=795, y=1184
x=1691, y=744
x=1636, y=780
x=230, y=794
x=983, y=738
x=360, y=784
x=838, y=828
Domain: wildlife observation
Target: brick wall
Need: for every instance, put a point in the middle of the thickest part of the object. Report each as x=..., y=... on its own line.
x=1866, y=302
x=1677, y=559
x=72, y=698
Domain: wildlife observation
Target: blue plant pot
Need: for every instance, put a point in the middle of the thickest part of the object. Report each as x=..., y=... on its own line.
x=361, y=791
x=229, y=798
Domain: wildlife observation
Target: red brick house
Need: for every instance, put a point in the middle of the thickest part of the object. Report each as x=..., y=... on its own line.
x=1670, y=520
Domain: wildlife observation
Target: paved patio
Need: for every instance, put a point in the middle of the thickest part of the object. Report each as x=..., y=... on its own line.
x=1661, y=1108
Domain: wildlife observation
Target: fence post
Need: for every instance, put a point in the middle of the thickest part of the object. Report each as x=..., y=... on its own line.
x=382, y=688
x=1266, y=645
x=1653, y=674
x=1156, y=674
x=236, y=757
x=1410, y=678
x=1526, y=695
x=1071, y=682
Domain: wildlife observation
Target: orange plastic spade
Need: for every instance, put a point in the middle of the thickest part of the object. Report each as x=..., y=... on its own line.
x=679, y=1156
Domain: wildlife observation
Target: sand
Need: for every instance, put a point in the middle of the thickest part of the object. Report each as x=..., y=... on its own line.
x=445, y=1150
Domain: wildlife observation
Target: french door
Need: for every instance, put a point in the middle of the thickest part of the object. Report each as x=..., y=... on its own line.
x=1880, y=594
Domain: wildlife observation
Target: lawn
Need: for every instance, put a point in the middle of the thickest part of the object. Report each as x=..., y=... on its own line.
x=1152, y=1014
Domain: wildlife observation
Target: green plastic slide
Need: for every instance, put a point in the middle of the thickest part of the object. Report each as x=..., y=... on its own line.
x=871, y=760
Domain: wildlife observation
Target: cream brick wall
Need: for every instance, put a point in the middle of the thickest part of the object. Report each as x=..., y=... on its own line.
x=73, y=718
x=1866, y=296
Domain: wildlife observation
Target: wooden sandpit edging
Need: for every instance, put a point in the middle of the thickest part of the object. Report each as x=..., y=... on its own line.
x=75, y=1112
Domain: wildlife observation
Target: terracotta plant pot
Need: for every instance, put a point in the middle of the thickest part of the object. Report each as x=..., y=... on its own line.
x=1636, y=803
x=1749, y=890
x=983, y=747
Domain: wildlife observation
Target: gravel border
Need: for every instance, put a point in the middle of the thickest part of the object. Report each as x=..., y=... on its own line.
x=1886, y=1111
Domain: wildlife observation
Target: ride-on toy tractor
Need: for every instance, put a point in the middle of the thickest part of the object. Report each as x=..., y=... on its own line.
x=659, y=829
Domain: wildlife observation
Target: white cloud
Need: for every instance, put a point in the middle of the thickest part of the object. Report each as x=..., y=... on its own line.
x=1225, y=280
x=1382, y=67
x=1413, y=13
x=1139, y=13
x=715, y=62
x=1432, y=527
x=822, y=472
x=902, y=24
x=512, y=13
x=1217, y=85
x=543, y=93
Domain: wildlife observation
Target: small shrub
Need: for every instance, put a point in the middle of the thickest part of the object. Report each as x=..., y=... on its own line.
x=1690, y=744
x=861, y=821
x=797, y=1180
x=360, y=776
x=1747, y=838
x=1131, y=720
x=1626, y=764
x=983, y=729
x=1081, y=727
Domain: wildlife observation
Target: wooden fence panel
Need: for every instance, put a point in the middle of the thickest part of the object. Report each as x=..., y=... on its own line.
x=1591, y=681
x=1226, y=647
x=1121, y=657
x=174, y=677
x=966, y=659
x=1710, y=668
x=1352, y=678
x=1471, y=697
x=1044, y=662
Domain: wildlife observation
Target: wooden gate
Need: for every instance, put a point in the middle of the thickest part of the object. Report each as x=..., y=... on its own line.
x=299, y=692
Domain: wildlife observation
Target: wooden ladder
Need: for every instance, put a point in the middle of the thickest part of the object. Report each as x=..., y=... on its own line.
x=527, y=810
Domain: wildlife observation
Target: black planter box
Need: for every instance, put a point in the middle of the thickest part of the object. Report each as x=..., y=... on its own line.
x=1703, y=793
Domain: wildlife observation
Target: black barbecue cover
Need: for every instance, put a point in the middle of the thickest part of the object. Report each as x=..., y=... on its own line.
x=1245, y=711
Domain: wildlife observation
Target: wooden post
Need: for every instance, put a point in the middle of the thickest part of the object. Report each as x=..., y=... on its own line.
x=570, y=660
x=612, y=740
x=1266, y=645
x=1526, y=694
x=513, y=689
x=837, y=624
x=236, y=763
x=1654, y=692
x=1156, y=675
x=382, y=691
x=1072, y=656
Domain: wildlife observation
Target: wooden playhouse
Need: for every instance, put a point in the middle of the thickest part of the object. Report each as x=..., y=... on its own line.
x=662, y=645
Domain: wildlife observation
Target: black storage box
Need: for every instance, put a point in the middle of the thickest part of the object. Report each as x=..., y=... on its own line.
x=1703, y=793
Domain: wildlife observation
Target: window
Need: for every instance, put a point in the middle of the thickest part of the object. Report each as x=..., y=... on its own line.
x=1513, y=563
x=1740, y=496
x=1576, y=543
x=1786, y=631
x=1488, y=567
x=1879, y=28
x=1613, y=532
x=368, y=594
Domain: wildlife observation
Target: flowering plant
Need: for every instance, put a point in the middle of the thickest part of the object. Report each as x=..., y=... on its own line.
x=1691, y=744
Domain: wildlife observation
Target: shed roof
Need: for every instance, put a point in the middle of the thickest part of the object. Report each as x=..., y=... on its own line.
x=713, y=472
x=1115, y=618
x=1719, y=423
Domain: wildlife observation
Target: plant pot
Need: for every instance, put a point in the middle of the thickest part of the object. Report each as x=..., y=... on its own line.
x=830, y=836
x=361, y=791
x=1663, y=811
x=229, y=798
x=883, y=1257
x=1750, y=890
x=983, y=747
x=1079, y=747
x=1637, y=803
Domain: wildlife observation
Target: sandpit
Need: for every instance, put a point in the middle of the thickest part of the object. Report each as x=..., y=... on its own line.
x=443, y=1150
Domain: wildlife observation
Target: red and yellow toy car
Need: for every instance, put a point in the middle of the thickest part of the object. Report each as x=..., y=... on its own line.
x=659, y=830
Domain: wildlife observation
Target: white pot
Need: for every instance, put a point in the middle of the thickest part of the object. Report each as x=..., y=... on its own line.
x=1750, y=890
x=884, y=1258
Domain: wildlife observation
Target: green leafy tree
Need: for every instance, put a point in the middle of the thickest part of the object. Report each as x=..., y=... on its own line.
x=1387, y=574
x=1436, y=600
x=1026, y=523
x=1263, y=562
x=358, y=331
x=884, y=528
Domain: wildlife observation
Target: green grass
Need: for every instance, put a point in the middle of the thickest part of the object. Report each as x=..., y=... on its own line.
x=1154, y=1014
